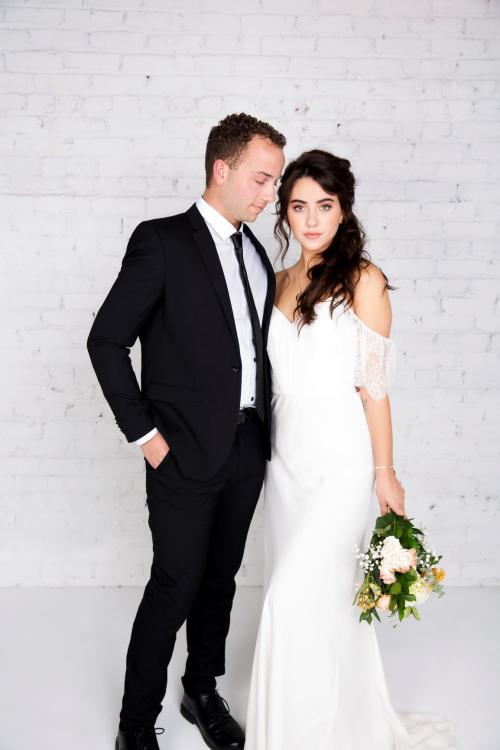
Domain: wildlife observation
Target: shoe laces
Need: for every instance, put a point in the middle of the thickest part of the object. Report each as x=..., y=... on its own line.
x=145, y=737
x=217, y=708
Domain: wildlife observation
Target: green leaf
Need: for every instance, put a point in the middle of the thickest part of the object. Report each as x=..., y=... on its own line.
x=395, y=588
x=415, y=613
x=382, y=532
x=405, y=582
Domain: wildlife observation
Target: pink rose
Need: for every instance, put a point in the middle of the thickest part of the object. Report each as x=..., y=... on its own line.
x=387, y=574
x=383, y=602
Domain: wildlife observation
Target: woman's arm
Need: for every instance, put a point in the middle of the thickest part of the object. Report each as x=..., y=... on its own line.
x=372, y=306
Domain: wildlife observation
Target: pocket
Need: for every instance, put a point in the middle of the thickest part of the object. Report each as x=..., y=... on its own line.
x=165, y=460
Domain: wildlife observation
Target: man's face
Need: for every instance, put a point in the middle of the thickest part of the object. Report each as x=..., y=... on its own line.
x=250, y=185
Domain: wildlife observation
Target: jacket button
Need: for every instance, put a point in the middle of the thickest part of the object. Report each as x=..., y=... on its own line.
x=236, y=368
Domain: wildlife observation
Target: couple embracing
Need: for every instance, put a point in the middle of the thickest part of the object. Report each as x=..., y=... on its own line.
x=248, y=378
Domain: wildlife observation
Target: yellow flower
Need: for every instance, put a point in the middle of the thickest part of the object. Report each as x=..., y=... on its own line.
x=376, y=590
x=365, y=601
x=438, y=573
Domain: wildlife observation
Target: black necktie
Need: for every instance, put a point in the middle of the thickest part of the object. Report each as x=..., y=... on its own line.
x=257, y=331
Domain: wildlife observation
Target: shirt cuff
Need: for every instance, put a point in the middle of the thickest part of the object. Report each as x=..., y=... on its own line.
x=145, y=438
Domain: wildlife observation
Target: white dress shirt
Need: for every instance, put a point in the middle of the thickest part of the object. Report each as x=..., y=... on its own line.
x=221, y=230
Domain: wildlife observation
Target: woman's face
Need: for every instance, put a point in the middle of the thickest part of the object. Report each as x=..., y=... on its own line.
x=313, y=215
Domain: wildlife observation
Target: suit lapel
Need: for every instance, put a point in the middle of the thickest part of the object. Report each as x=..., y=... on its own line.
x=208, y=251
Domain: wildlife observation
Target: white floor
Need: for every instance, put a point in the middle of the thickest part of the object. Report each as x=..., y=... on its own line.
x=62, y=654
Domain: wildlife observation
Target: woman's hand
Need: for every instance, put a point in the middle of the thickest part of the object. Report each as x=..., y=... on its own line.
x=390, y=492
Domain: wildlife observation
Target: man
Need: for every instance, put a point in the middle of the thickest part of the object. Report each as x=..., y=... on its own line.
x=197, y=289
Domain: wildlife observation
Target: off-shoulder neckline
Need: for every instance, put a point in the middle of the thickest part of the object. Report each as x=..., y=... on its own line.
x=346, y=310
x=362, y=323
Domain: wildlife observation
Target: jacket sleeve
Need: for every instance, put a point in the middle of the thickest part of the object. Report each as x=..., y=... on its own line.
x=135, y=292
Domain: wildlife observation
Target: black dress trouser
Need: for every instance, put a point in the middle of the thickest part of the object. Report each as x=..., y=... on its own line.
x=199, y=530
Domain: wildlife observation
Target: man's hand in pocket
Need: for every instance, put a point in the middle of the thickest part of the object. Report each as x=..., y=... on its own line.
x=155, y=450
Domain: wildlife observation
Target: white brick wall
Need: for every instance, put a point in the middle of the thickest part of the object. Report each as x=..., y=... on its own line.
x=106, y=107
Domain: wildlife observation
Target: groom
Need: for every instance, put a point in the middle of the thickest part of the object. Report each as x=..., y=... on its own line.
x=197, y=289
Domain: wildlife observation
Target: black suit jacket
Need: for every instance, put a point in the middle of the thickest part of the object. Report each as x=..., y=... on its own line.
x=172, y=294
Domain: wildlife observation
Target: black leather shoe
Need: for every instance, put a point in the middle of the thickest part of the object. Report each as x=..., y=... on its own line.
x=210, y=712
x=142, y=738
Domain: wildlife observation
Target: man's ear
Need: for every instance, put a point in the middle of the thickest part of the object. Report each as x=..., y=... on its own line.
x=220, y=171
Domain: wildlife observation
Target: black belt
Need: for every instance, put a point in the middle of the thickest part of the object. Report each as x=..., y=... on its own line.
x=247, y=414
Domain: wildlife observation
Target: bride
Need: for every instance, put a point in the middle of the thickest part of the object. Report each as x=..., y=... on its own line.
x=317, y=680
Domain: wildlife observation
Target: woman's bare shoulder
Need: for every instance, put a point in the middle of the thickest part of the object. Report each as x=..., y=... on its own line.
x=371, y=301
x=371, y=279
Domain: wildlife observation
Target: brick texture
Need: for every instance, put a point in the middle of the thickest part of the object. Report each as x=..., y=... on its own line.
x=106, y=106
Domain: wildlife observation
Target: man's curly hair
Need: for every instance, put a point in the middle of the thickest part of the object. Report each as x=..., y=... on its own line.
x=228, y=139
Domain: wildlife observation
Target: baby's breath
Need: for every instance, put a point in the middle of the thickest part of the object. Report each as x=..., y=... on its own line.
x=400, y=570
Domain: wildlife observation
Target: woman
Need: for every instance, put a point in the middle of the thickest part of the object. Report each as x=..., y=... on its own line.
x=317, y=680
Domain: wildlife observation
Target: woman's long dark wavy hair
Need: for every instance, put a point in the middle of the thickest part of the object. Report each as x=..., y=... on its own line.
x=338, y=271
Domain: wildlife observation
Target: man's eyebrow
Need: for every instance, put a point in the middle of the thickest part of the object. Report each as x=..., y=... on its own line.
x=321, y=200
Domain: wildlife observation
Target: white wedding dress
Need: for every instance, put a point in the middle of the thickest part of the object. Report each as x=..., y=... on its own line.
x=317, y=680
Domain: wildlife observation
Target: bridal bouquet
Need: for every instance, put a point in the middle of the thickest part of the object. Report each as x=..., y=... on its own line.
x=400, y=570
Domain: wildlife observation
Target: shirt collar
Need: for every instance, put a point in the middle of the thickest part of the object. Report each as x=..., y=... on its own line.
x=216, y=220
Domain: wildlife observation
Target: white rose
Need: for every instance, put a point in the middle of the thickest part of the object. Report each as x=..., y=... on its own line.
x=391, y=543
x=391, y=551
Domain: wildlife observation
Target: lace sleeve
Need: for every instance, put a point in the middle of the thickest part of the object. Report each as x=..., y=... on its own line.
x=375, y=360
